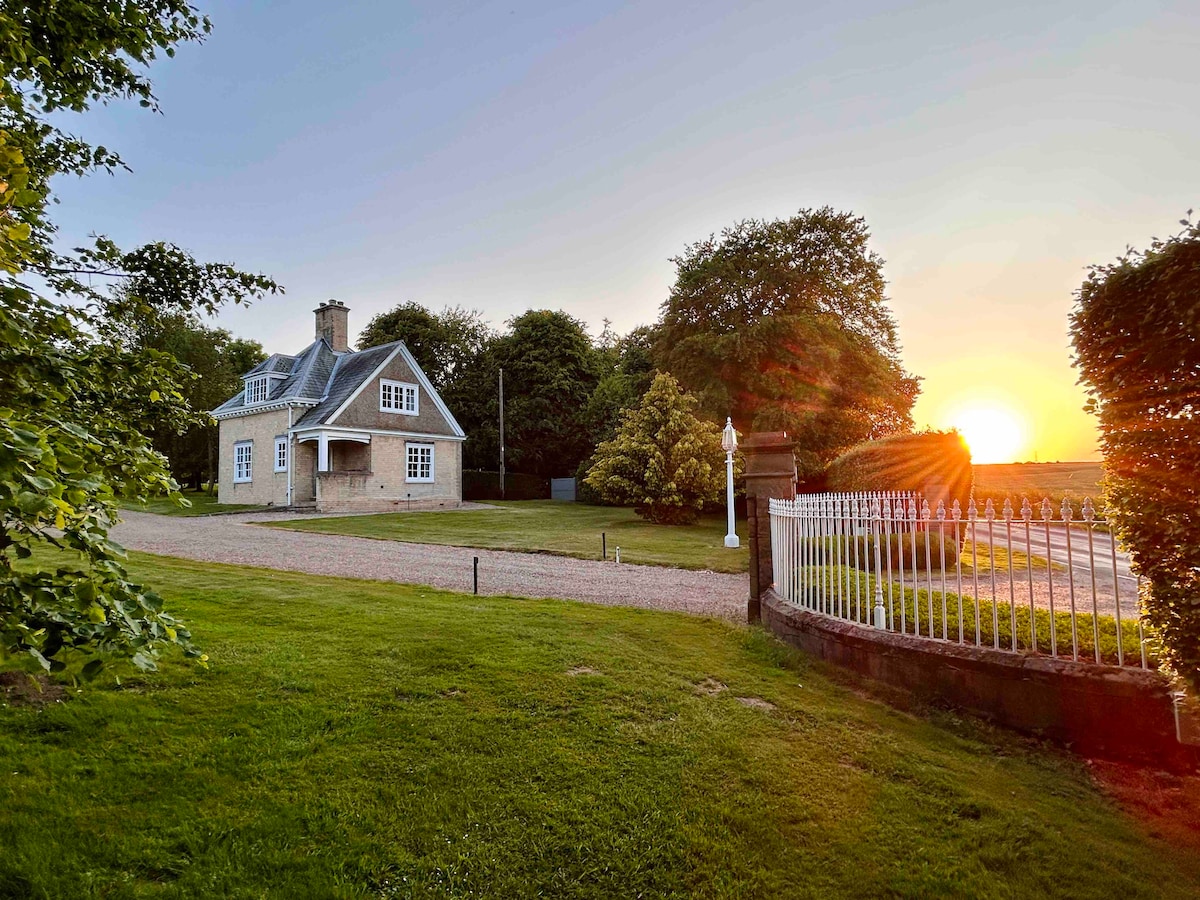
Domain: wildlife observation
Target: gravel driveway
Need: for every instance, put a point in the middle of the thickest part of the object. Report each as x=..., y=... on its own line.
x=235, y=539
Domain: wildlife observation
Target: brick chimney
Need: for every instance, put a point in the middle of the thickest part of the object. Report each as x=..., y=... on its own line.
x=332, y=324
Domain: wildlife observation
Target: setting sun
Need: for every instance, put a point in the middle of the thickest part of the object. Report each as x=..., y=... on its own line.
x=994, y=435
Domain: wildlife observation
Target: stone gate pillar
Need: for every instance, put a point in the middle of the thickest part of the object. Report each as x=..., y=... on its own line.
x=770, y=473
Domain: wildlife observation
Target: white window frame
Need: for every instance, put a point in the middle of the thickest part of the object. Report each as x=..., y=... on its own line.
x=243, y=469
x=399, y=397
x=413, y=451
x=281, y=454
x=258, y=390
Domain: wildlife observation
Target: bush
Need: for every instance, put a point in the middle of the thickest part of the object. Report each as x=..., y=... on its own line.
x=906, y=462
x=663, y=461
x=584, y=492
x=479, y=485
x=1134, y=329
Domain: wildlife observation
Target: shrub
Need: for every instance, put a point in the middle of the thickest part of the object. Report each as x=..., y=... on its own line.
x=1134, y=328
x=584, y=492
x=906, y=462
x=663, y=461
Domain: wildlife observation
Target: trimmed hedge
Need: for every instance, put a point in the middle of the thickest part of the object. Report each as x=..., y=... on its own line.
x=517, y=486
x=1135, y=329
x=906, y=462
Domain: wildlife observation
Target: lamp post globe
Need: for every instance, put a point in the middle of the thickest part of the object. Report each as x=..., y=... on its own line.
x=729, y=444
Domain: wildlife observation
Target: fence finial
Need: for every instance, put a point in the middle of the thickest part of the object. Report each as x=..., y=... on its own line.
x=1026, y=509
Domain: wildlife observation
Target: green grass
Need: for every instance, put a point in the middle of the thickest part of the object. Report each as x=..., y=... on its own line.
x=995, y=624
x=202, y=504
x=358, y=739
x=545, y=526
x=984, y=557
x=1014, y=481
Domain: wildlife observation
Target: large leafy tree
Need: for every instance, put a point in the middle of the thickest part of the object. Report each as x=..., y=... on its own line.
x=213, y=362
x=551, y=367
x=1136, y=331
x=663, y=460
x=444, y=344
x=77, y=402
x=784, y=325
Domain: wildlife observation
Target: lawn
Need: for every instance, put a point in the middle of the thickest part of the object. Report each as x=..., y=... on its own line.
x=202, y=504
x=546, y=526
x=358, y=739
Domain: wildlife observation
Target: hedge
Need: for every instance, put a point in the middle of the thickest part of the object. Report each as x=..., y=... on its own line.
x=906, y=462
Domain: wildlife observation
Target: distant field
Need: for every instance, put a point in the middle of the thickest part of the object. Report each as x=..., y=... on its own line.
x=1073, y=481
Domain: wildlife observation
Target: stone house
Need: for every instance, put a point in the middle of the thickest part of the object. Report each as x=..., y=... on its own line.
x=339, y=430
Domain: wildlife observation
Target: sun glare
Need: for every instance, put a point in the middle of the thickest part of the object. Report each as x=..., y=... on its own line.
x=994, y=435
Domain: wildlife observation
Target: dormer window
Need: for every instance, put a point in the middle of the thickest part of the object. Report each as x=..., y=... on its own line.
x=257, y=389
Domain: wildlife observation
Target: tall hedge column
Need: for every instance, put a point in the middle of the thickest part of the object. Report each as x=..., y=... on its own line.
x=770, y=473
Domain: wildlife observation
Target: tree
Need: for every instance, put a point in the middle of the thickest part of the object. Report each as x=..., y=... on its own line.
x=784, y=326
x=214, y=362
x=76, y=403
x=444, y=344
x=551, y=369
x=630, y=372
x=663, y=461
x=1136, y=332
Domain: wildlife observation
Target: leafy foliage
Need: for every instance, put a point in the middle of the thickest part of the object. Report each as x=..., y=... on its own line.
x=444, y=344
x=213, y=362
x=783, y=325
x=551, y=369
x=77, y=398
x=663, y=460
x=905, y=462
x=1136, y=332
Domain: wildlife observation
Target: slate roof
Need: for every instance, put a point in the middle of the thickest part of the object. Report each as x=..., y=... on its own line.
x=316, y=375
x=307, y=376
x=275, y=364
x=350, y=371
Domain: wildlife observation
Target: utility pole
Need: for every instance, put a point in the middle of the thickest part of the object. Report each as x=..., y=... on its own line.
x=501, y=434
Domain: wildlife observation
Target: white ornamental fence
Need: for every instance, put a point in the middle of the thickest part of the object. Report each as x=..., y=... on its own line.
x=1021, y=581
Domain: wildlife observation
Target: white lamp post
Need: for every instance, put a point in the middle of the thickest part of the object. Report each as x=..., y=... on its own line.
x=729, y=444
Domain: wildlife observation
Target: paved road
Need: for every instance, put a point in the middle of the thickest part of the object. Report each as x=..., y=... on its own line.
x=236, y=539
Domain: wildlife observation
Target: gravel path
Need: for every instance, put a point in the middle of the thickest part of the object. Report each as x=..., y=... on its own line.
x=235, y=539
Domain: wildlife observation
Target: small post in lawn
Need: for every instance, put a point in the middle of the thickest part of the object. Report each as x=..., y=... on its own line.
x=603, y=546
x=476, y=574
x=618, y=553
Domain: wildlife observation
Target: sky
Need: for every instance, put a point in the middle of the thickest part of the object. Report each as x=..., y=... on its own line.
x=510, y=156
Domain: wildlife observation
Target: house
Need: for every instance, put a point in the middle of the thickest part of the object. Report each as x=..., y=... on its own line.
x=339, y=430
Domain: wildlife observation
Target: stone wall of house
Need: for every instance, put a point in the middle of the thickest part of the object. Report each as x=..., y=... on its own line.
x=364, y=411
x=385, y=488
x=304, y=484
x=266, y=487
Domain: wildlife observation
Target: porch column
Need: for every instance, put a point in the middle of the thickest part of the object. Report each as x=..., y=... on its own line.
x=322, y=452
x=770, y=474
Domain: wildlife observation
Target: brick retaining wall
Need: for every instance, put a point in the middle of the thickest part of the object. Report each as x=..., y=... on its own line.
x=1116, y=713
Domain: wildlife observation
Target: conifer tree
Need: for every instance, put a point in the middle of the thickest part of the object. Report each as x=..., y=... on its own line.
x=663, y=461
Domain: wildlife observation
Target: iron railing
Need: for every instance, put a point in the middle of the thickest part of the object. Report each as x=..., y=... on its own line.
x=1020, y=581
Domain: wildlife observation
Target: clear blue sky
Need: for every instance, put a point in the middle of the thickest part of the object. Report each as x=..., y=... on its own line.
x=556, y=155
